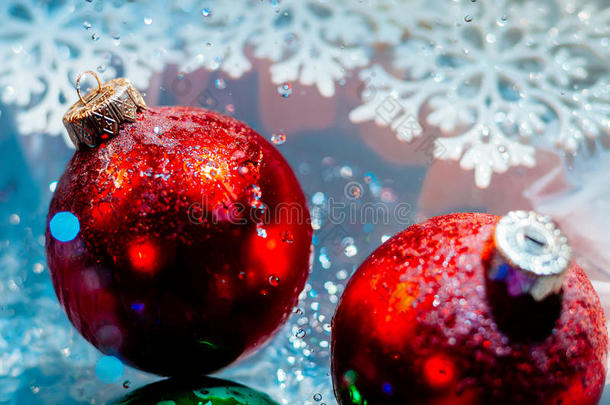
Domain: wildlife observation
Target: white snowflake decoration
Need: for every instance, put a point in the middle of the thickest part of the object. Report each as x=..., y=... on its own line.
x=45, y=44
x=312, y=41
x=496, y=78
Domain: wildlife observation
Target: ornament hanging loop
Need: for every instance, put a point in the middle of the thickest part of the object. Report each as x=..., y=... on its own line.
x=99, y=116
x=78, y=79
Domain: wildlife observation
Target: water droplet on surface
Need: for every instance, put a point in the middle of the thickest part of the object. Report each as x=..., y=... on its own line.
x=284, y=90
x=317, y=396
x=350, y=250
x=206, y=12
x=278, y=138
x=126, y=384
x=274, y=281
x=95, y=36
x=14, y=219
x=220, y=83
x=87, y=25
x=147, y=20
x=101, y=68
x=301, y=333
x=468, y=18
x=318, y=198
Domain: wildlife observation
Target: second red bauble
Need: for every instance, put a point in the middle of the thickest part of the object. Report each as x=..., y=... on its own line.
x=193, y=241
x=421, y=323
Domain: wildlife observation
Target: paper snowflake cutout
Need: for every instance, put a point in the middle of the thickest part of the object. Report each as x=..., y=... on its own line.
x=45, y=45
x=497, y=78
x=312, y=41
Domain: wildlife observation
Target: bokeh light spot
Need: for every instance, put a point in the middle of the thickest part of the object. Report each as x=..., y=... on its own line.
x=64, y=226
x=109, y=369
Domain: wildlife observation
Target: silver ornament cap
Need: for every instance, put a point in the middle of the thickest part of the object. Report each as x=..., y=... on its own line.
x=531, y=255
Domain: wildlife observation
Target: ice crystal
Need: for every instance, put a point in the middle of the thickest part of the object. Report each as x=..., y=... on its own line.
x=497, y=78
x=311, y=41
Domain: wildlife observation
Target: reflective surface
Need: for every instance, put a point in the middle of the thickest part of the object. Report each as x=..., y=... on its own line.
x=209, y=391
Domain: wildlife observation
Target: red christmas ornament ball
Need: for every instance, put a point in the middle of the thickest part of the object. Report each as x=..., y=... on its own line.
x=187, y=245
x=420, y=323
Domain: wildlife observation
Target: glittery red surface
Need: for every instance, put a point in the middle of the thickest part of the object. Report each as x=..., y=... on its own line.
x=172, y=271
x=420, y=324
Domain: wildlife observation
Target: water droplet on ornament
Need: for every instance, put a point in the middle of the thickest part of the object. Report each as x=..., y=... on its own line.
x=468, y=18
x=261, y=231
x=87, y=25
x=284, y=90
x=317, y=397
x=220, y=83
x=301, y=333
x=274, y=281
x=206, y=12
x=147, y=20
x=126, y=384
x=278, y=138
x=255, y=194
x=287, y=237
x=95, y=36
x=64, y=226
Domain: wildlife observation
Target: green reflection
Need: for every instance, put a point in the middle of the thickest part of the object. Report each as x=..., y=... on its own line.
x=202, y=391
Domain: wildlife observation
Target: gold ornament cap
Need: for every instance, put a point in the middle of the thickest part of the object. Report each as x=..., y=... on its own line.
x=98, y=115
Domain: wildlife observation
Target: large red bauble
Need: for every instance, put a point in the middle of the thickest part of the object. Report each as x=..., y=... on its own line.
x=194, y=241
x=418, y=323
